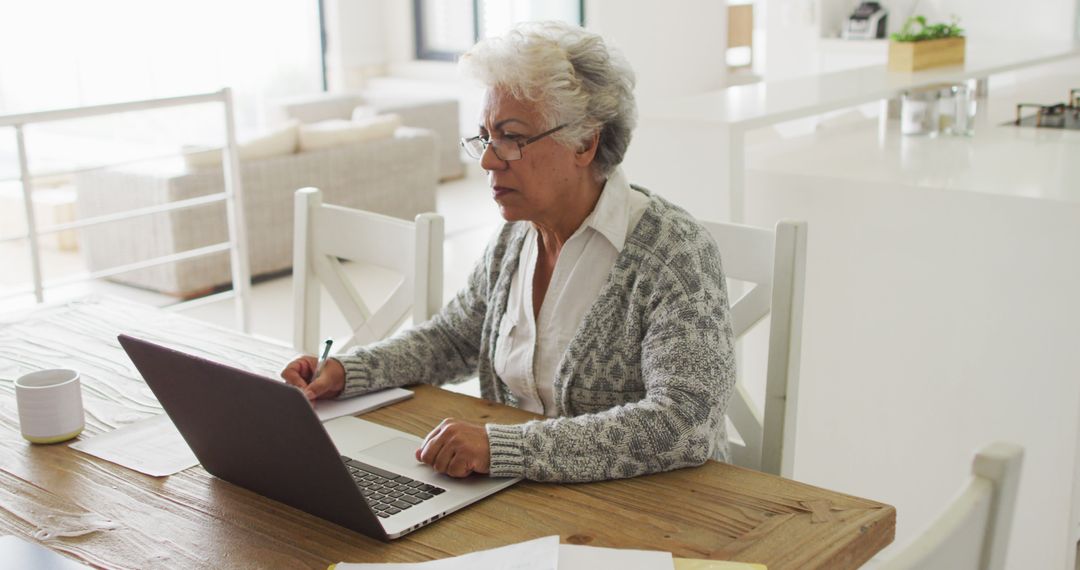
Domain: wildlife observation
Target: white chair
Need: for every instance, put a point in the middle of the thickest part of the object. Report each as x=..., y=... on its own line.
x=775, y=263
x=973, y=532
x=325, y=234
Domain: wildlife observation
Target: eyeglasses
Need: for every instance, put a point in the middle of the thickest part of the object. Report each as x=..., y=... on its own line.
x=505, y=149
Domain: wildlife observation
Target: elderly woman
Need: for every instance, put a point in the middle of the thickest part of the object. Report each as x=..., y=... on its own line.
x=598, y=304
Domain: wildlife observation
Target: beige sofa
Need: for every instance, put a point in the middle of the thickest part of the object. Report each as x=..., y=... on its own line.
x=396, y=176
x=440, y=115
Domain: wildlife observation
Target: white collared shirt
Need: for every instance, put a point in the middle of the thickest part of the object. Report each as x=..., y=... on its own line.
x=528, y=351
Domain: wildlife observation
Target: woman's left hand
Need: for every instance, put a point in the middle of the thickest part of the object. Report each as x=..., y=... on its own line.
x=457, y=448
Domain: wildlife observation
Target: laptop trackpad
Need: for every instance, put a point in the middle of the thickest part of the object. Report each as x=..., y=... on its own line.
x=398, y=451
x=398, y=454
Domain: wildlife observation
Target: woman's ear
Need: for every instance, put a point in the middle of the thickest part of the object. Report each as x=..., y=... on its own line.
x=587, y=152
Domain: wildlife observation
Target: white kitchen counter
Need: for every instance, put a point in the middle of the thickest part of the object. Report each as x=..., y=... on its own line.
x=711, y=128
x=997, y=159
x=770, y=102
x=941, y=305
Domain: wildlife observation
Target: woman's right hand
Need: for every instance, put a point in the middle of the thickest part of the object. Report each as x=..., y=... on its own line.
x=329, y=384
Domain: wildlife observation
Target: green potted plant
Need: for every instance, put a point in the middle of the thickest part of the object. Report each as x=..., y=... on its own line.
x=919, y=45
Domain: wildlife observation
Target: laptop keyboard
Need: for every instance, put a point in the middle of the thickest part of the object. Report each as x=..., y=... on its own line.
x=389, y=493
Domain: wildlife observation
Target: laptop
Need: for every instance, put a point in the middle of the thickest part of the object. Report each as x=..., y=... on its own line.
x=262, y=434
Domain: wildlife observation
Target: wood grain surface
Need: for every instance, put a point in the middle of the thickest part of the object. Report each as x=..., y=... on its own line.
x=109, y=516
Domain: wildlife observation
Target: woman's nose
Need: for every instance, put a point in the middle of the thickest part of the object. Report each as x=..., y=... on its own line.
x=491, y=161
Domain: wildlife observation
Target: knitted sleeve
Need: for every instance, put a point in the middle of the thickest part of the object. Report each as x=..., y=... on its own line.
x=441, y=350
x=687, y=367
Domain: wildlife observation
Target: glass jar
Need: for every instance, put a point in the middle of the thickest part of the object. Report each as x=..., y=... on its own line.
x=920, y=111
x=956, y=110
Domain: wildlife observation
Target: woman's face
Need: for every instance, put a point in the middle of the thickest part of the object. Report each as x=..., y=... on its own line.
x=540, y=185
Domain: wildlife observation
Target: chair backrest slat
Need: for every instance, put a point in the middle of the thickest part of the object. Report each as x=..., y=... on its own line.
x=750, y=308
x=325, y=234
x=773, y=264
x=380, y=240
x=746, y=251
x=973, y=530
x=381, y=324
x=748, y=423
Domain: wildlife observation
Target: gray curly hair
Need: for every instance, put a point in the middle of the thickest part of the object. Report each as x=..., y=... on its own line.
x=573, y=76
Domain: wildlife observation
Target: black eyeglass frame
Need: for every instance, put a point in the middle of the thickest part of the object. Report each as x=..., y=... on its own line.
x=466, y=143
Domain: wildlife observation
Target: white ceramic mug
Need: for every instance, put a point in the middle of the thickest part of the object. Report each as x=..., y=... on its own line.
x=50, y=405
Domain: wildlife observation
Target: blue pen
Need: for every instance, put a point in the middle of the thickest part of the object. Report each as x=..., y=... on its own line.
x=322, y=359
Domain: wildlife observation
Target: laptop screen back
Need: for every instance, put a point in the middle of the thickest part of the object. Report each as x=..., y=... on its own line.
x=255, y=432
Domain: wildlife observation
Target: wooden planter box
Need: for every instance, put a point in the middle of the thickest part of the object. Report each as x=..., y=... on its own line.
x=913, y=56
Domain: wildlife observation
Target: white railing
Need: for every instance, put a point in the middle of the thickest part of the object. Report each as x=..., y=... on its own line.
x=233, y=198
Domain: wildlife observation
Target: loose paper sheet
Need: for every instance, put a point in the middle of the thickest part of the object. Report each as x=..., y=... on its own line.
x=539, y=554
x=153, y=446
x=577, y=557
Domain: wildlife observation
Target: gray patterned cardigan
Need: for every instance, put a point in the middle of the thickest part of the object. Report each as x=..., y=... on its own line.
x=643, y=386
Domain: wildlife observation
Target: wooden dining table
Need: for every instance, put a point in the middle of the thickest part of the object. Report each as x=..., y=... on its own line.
x=106, y=515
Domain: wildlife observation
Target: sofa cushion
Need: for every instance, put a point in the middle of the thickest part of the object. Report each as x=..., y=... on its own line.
x=278, y=142
x=361, y=113
x=416, y=108
x=315, y=107
x=338, y=132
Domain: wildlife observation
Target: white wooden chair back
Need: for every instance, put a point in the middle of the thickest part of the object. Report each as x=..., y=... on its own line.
x=324, y=234
x=973, y=532
x=775, y=263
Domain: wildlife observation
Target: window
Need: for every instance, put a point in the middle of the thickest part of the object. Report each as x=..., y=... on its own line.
x=70, y=53
x=57, y=54
x=445, y=29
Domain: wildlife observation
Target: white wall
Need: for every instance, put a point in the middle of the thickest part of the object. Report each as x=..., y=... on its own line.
x=357, y=41
x=676, y=47
x=791, y=36
x=368, y=38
